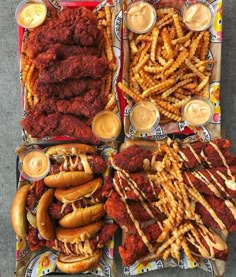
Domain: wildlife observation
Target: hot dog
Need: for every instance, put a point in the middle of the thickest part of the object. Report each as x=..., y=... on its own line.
x=29, y=214
x=73, y=165
x=81, y=247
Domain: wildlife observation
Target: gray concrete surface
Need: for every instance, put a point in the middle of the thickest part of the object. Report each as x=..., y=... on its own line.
x=10, y=132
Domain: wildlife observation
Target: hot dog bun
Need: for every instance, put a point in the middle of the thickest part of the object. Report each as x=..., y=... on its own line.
x=76, y=264
x=18, y=215
x=70, y=149
x=67, y=179
x=74, y=193
x=45, y=225
x=82, y=216
x=75, y=235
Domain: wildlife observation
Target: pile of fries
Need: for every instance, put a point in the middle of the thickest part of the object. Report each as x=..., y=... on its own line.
x=104, y=24
x=168, y=65
x=176, y=203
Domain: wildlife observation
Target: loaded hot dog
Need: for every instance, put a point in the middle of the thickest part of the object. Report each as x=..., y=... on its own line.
x=73, y=165
x=29, y=214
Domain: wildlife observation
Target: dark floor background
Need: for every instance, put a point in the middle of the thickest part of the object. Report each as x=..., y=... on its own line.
x=10, y=133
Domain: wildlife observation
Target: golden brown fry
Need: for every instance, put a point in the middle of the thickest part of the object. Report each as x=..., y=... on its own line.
x=194, y=69
x=179, y=61
x=182, y=39
x=182, y=102
x=167, y=43
x=204, y=48
x=177, y=24
x=142, y=63
x=194, y=45
x=163, y=85
x=173, y=89
x=165, y=105
x=107, y=88
x=153, y=69
x=133, y=95
x=108, y=47
x=133, y=47
x=111, y=102
x=155, y=34
x=202, y=84
x=169, y=114
x=108, y=19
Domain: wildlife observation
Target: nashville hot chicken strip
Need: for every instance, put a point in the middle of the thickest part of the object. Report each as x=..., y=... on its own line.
x=185, y=196
x=67, y=70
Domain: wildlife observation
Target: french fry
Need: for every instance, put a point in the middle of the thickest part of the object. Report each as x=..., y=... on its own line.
x=173, y=89
x=155, y=34
x=161, y=86
x=204, y=48
x=170, y=115
x=108, y=47
x=167, y=43
x=108, y=20
x=177, y=24
x=133, y=95
x=194, y=69
x=179, y=61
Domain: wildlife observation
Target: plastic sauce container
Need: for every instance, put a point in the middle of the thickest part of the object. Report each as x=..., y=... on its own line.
x=35, y=165
x=198, y=16
x=31, y=14
x=197, y=112
x=144, y=116
x=140, y=17
x=106, y=126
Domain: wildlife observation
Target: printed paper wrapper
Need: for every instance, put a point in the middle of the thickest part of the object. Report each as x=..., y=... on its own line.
x=116, y=46
x=43, y=261
x=211, y=130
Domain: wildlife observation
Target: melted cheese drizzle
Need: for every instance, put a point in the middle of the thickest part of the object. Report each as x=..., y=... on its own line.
x=203, y=178
x=71, y=165
x=231, y=207
x=194, y=153
x=217, y=183
x=136, y=223
x=210, y=210
x=223, y=159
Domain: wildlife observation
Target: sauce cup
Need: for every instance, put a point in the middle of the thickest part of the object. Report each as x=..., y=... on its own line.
x=198, y=15
x=197, y=112
x=31, y=13
x=144, y=116
x=34, y=165
x=106, y=126
x=140, y=17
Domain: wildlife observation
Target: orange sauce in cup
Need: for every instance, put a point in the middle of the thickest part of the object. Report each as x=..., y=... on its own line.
x=140, y=17
x=31, y=14
x=197, y=17
x=144, y=116
x=197, y=112
x=106, y=126
x=35, y=165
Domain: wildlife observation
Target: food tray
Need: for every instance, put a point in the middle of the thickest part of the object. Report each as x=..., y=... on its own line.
x=43, y=261
x=211, y=130
x=115, y=25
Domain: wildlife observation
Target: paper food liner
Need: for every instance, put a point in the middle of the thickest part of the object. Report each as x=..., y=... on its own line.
x=43, y=261
x=211, y=130
x=116, y=46
x=214, y=266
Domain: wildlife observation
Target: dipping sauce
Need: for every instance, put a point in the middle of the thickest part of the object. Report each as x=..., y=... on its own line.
x=144, y=116
x=31, y=14
x=106, y=126
x=197, y=17
x=197, y=112
x=35, y=165
x=140, y=17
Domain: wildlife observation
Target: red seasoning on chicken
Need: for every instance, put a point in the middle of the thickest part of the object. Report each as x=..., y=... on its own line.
x=65, y=74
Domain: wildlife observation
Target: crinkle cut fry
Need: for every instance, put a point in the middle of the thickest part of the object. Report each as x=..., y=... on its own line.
x=186, y=227
x=159, y=87
x=132, y=94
